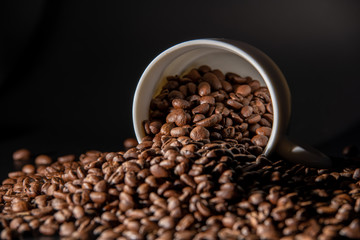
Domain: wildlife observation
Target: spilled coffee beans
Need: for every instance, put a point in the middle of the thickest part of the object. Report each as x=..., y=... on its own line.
x=197, y=174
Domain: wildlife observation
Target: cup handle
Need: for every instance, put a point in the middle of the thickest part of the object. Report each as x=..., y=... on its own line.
x=302, y=153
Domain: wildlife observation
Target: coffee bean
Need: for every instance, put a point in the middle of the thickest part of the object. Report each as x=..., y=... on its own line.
x=210, y=121
x=66, y=158
x=21, y=155
x=43, y=160
x=352, y=231
x=243, y=90
x=98, y=197
x=6, y=234
x=15, y=223
x=260, y=140
x=256, y=198
x=28, y=169
x=234, y=78
x=201, y=109
x=234, y=104
x=266, y=131
x=167, y=222
x=204, y=89
x=199, y=133
x=179, y=131
x=185, y=222
x=130, y=143
x=213, y=80
x=253, y=119
x=155, y=127
x=66, y=229
x=207, y=99
x=158, y=172
x=19, y=205
x=246, y=111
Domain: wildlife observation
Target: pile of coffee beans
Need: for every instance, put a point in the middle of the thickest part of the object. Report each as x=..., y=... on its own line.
x=199, y=173
x=207, y=105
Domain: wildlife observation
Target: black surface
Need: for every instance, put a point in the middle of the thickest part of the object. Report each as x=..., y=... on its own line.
x=69, y=69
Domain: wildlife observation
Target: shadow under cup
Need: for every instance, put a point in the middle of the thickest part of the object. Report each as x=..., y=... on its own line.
x=227, y=56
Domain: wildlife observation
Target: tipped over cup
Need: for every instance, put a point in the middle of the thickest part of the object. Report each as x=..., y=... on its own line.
x=229, y=56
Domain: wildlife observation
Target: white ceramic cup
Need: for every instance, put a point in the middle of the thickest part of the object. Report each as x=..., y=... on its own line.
x=228, y=56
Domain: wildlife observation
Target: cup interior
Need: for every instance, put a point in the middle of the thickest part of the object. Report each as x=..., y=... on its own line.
x=181, y=58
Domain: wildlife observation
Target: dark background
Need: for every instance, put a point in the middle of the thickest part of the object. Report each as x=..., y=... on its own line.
x=69, y=69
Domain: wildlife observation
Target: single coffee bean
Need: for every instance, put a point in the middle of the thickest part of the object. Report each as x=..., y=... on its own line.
x=28, y=169
x=43, y=160
x=21, y=155
x=266, y=131
x=204, y=69
x=19, y=205
x=66, y=229
x=158, y=172
x=204, y=89
x=154, y=127
x=207, y=99
x=199, y=133
x=352, y=231
x=66, y=158
x=210, y=121
x=98, y=197
x=246, y=111
x=130, y=143
x=213, y=80
x=234, y=104
x=201, y=109
x=260, y=140
x=243, y=90
x=179, y=131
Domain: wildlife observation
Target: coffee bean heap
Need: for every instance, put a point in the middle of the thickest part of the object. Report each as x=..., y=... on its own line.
x=191, y=177
x=207, y=105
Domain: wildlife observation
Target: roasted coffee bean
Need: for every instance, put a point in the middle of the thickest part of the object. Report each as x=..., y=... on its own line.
x=266, y=131
x=260, y=140
x=154, y=127
x=28, y=169
x=101, y=186
x=158, y=172
x=66, y=229
x=130, y=143
x=66, y=158
x=213, y=80
x=352, y=231
x=243, y=90
x=199, y=133
x=185, y=222
x=179, y=131
x=210, y=121
x=234, y=104
x=21, y=155
x=43, y=160
x=246, y=111
x=201, y=109
x=19, y=205
x=207, y=99
x=98, y=197
x=204, y=89
x=180, y=103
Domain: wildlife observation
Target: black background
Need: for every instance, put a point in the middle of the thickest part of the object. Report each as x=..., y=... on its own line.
x=69, y=69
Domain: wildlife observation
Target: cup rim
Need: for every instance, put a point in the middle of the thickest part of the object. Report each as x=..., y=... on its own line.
x=261, y=63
